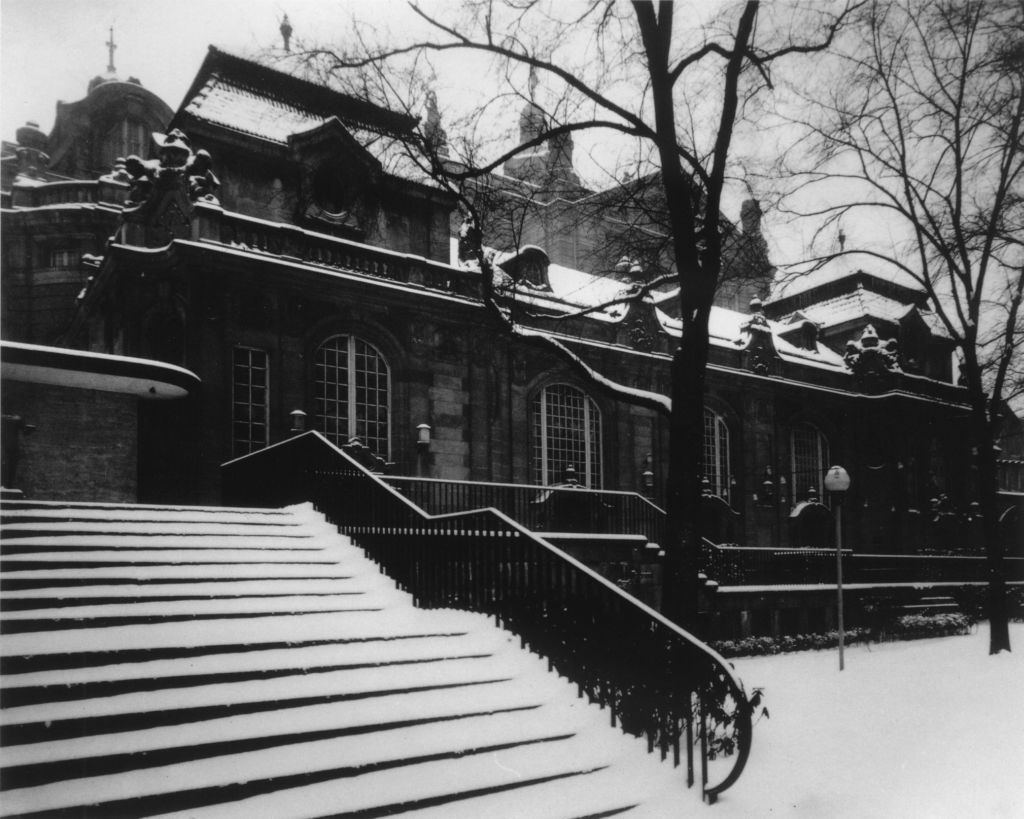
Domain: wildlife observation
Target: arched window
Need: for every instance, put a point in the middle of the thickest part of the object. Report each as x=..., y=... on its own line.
x=808, y=461
x=716, y=453
x=566, y=432
x=352, y=393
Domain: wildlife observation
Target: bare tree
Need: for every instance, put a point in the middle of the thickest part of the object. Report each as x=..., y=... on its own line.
x=925, y=127
x=636, y=72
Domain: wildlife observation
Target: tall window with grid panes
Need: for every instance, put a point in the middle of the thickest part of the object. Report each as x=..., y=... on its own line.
x=808, y=462
x=352, y=393
x=566, y=432
x=716, y=453
x=249, y=405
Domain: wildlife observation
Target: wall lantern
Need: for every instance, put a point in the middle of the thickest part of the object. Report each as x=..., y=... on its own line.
x=423, y=437
x=647, y=479
x=837, y=481
x=298, y=421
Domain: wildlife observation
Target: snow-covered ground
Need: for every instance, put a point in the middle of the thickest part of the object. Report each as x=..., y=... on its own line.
x=916, y=730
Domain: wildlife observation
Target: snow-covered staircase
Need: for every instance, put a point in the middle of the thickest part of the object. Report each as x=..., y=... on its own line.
x=228, y=662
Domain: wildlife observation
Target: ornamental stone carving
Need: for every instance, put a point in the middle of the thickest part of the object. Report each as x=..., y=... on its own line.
x=759, y=353
x=162, y=191
x=872, y=360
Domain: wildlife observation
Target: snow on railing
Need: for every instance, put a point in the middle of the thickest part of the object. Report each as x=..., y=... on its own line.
x=279, y=239
x=657, y=680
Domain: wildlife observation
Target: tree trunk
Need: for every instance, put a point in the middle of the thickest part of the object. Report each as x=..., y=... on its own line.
x=998, y=615
x=683, y=489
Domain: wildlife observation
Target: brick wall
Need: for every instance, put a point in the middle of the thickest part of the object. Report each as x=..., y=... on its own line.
x=84, y=446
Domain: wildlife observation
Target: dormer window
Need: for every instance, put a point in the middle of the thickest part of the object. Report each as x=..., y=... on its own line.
x=801, y=332
x=337, y=194
x=332, y=189
x=128, y=137
x=529, y=267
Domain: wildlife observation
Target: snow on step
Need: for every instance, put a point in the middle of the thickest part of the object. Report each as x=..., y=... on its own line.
x=350, y=682
x=506, y=746
x=201, y=661
x=150, y=528
x=208, y=588
x=277, y=605
x=504, y=695
x=60, y=510
x=284, y=628
x=378, y=652
x=180, y=572
x=512, y=773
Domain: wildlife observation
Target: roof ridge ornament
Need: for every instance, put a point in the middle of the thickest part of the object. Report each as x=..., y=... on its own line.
x=286, y=33
x=111, y=48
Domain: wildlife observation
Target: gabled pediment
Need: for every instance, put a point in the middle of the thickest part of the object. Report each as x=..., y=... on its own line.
x=329, y=140
x=339, y=178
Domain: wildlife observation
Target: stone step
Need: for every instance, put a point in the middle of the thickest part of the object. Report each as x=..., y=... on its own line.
x=133, y=594
x=202, y=782
x=176, y=660
x=572, y=777
x=76, y=682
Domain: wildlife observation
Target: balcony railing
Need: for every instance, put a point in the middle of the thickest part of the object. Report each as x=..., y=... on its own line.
x=213, y=224
x=657, y=680
x=72, y=192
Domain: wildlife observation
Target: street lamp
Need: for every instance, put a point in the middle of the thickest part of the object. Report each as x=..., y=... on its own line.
x=837, y=481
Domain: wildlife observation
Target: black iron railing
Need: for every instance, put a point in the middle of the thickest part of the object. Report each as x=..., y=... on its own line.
x=750, y=566
x=540, y=508
x=656, y=680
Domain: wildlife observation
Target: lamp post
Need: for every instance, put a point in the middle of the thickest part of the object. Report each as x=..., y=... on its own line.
x=837, y=481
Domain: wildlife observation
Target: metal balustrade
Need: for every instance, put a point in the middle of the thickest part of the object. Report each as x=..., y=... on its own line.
x=656, y=679
x=753, y=566
x=562, y=508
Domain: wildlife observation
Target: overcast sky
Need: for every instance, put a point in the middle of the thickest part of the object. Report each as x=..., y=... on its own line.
x=50, y=49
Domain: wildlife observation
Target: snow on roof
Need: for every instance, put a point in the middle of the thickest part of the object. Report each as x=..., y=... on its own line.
x=232, y=105
x=724, y=326
x=859, y=304
x=573, y=290
x=726, y=329
x=789, y=283
x=821, y=357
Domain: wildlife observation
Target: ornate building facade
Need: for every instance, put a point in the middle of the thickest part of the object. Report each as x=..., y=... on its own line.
x=276, y=239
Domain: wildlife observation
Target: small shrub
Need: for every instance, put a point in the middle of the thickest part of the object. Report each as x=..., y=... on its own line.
x=916, y=626
x=760, y=646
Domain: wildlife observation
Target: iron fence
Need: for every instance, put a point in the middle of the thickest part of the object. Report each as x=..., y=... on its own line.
x=656, y=679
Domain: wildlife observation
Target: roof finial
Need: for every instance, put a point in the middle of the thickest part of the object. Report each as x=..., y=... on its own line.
x=842, y=239
x=286, y=32
x=111, y=48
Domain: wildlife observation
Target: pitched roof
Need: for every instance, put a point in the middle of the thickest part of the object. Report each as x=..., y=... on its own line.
x=862, y=303
x=233, y=83
x=252, y=99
